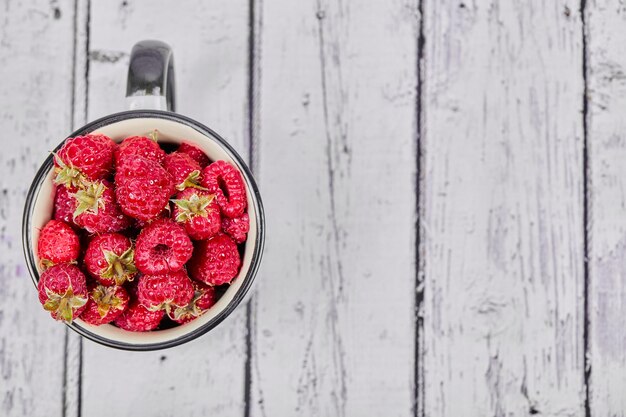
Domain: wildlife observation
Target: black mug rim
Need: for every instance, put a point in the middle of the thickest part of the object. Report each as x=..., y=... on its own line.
x=258, y=244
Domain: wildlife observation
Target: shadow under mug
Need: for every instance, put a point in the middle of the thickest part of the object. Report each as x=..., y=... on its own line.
x=150, y=97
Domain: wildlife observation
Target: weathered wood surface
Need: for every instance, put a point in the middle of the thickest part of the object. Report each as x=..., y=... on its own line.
x=502, y=209
x=332, y=114
x=606, y=69
x=334, y=311
x=205, y=377
x=35, y=114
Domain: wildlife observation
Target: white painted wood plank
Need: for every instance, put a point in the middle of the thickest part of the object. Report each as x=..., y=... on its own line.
x=204, y=377
x=606, y=46
x=334, y=312
x=502, y=209
x=36, y=45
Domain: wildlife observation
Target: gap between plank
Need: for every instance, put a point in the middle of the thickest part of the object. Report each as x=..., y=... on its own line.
x=64, y=385
x=418, y=401
x=252, y=123
x=85, y=115
x=73, y=82
x=586, y=312
x=79, y=402
x=87, y=59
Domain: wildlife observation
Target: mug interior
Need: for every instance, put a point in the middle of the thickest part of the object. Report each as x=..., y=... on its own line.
x=173, y=132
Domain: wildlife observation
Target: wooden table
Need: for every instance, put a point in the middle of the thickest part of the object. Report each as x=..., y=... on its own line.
x=445, y=189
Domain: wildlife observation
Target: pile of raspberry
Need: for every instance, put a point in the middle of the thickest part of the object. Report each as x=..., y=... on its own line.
x=140, y=238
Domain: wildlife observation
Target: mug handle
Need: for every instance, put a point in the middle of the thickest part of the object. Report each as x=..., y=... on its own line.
x=150, y=82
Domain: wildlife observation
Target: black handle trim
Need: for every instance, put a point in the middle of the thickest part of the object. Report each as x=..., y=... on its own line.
x=151, y=72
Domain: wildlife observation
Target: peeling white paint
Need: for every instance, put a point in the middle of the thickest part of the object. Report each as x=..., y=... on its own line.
x=606, y=48
x=503, y=204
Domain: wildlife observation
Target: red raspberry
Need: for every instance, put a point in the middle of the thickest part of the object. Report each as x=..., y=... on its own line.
x=58, y=243
x=110, y=259
x=97, y=210
x=165, y=291
x=64, y=205
x=237, y=228
x=105, y=304
x=84, y=158
x=225, y=181
x=215, y=261
x=184, y=170
x=204, y=297
x=62, y=290
x=139, y=146
x=143, y=188
x=198, y=212
x=163, y=246
x=137, y=318
x=195, y=153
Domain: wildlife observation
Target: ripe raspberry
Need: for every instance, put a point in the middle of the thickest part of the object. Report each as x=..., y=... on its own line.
x=204, y=297
x=137, y=318
x=84, y=158
x=195, y=153
x=163, y=246
x=215, y=261
x=237, y=228
x=64, y=205
x=97, y=210
x=139, y=146
x=225, y=181
x=198, y=212
x=62, y=290
x=184, y=170
x=58, y=243
x=165, y=291
x=143, y=188
x=110, y=259
x=105, y=304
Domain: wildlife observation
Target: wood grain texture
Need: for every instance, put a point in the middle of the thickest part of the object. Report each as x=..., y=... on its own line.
x=35, y=115
x=328, y=112
x=502, y=209
x=606, y=133
x=333, y=316
x=204, y=377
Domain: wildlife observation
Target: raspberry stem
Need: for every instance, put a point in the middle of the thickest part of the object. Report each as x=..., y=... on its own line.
x=192, y=181
x=195, y=206
x=121, y=268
